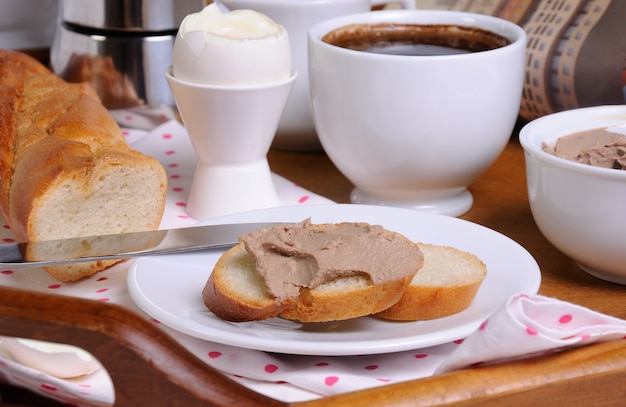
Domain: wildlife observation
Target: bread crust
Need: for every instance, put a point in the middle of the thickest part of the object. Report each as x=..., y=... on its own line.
x=227, y=302
x=56, y=137
x=426, y=299
x=317, y=306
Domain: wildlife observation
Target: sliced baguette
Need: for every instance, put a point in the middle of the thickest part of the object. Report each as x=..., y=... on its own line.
x=236, y=292
x=446, y=285
x=65, y=168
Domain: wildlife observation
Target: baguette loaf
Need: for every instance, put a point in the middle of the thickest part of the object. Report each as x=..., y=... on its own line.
x=65, y=168
x=446, y=285
x=236, y=291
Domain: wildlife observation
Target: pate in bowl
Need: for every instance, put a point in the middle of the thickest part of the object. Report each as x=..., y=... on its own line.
x=580, y=208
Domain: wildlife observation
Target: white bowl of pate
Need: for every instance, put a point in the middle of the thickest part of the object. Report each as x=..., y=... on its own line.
x=580, y=207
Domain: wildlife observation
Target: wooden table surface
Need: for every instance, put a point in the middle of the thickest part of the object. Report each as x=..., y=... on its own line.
x=594, y=375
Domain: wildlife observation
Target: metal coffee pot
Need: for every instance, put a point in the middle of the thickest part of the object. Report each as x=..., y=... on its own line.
x=122, y=47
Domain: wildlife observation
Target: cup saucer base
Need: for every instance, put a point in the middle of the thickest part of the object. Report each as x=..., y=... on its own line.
x=451, y=203
x=603, y=275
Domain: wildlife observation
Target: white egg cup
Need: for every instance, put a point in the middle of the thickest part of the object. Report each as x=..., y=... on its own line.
x=231, y=129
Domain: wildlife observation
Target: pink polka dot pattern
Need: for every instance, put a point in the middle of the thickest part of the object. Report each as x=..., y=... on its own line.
x=531, y=331
x=532, y=325
x=170, y=145
x=331, y=380
x=554, y=324
x=270, y=368
x=371, y=367
x=48, y=387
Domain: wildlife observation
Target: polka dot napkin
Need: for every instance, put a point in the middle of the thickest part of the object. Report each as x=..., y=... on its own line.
x=526, y=325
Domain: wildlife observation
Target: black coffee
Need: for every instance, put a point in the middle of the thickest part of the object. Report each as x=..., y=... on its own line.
x=415, y=39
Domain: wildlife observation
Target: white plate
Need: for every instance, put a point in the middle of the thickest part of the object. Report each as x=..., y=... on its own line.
x=169, y=288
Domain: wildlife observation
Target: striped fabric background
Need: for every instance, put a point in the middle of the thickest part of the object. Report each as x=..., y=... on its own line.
x=576, y=49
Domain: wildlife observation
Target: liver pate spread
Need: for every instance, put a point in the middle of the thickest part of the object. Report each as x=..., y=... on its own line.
x=597, y=147
x=293, y=256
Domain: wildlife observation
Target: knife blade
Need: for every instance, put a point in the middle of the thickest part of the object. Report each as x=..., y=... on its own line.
x=123, y=245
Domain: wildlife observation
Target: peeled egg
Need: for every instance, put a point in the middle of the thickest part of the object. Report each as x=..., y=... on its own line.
x=242, y=47
x=57, y=360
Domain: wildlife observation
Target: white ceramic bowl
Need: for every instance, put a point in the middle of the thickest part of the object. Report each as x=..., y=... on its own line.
x=580, y=209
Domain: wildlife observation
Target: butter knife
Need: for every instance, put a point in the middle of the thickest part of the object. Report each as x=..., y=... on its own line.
x=122, y=246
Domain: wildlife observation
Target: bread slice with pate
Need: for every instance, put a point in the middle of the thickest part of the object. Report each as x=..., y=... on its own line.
x=237, y=290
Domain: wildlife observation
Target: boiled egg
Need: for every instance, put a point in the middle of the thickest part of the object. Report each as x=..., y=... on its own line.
x=238, y=48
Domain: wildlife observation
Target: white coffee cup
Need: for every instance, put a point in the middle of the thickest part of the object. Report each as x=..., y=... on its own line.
x=296, y=130
x=415, y=131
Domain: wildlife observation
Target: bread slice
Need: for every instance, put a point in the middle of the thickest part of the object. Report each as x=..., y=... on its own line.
x=65, y=168
x=345, y=298
x=446, y=285
x=236, y=292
